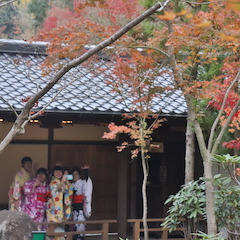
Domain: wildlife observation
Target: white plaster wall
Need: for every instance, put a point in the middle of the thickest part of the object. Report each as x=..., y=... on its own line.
x=32, y=131
x=10, y=163
x=72, y=132
x=81, y=132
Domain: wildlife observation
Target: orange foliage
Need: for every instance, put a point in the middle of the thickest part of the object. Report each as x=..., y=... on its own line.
x=197, y=38
x=233, y=5
x=167, y=16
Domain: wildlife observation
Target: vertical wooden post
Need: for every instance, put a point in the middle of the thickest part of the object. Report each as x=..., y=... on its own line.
x=50, y=228
x=122, y=193
x=105, y=229
x=69, y=237
x=136, y=230
x=165, y=234
x=50, y=140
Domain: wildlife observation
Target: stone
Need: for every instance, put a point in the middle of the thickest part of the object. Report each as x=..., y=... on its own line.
x=15, y=225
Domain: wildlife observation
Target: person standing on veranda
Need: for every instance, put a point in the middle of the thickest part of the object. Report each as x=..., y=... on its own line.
x=59, y=202
x=15, y=192
x=82, y=198
x=35, y=194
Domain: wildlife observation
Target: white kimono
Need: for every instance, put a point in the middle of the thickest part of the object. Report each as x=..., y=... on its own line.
x=82, y=201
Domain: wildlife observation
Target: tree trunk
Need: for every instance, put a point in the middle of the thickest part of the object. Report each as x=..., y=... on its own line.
x=190, y=150
x=236, y=135
x=17, y=129
x=210, y=205
x=144, y=193
x=7, y=140
x=206, y=156
x=144, y=159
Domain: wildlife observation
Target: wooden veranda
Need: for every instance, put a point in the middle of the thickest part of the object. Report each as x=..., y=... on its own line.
x=103, y=230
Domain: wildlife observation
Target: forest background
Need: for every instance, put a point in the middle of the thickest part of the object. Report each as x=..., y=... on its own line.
x=23, y=18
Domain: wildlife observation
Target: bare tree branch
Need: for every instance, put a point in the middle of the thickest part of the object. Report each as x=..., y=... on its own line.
x=159, y=50
x=4, y=4
x=23, y=117
x=9, y=105
x=200, y=3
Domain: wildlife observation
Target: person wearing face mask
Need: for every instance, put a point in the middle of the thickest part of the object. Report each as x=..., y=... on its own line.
x=82, y=198
x=35, y=194
x=15, y=191
x=59, y=203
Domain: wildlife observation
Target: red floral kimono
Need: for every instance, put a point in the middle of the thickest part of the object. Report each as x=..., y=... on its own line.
x=35, y=200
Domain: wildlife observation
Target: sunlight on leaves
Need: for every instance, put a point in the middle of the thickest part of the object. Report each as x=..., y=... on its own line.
x=205, y=23
x=233, y=4
x=168, y=16
x=225, y=37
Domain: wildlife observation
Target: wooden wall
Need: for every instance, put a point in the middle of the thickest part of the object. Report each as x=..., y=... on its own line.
x=103, y=160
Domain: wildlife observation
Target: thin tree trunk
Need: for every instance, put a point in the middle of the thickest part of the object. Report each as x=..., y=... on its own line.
x=236, y=135
x=145, y=176
x=190, y=150
x=144, y=193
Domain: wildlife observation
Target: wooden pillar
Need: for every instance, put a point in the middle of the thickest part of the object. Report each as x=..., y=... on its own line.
x=50, y=125
x=122, y=193
x=165, y=234
x=50, y=140
x=105, y=229
x=136, y=230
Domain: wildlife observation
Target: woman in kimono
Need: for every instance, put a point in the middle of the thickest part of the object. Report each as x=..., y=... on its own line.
x=35, y=194
x=59, y=204
x=15, y=191
x=82, y=198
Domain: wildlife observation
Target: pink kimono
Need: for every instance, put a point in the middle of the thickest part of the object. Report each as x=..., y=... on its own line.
x=35, y=200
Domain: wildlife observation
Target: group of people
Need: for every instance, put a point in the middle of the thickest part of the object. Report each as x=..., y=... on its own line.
x=53, y=198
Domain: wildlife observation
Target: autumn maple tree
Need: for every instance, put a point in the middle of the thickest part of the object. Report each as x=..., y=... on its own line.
x=199, y=42
x=201, y=39
x=64, y=46
x=134, y=76
x=79, y=55
x=137, y=82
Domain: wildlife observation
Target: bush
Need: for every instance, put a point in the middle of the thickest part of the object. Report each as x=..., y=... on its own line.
x=189, y=205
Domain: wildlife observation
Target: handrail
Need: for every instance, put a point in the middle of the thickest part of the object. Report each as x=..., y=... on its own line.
x=137, y=229
x=75, y=222
x=148, y=220
x=104, y=231
x=104, y=228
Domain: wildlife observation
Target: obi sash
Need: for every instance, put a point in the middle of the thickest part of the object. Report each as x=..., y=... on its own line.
x=42, y=197
x=77, y=199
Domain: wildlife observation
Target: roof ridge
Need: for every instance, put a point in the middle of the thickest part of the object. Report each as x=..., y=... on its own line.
x=22, y=46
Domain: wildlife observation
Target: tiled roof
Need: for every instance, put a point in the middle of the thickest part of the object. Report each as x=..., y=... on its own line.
x=21, y=76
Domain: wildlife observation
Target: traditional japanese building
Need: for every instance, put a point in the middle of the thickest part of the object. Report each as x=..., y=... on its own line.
x=70, y=131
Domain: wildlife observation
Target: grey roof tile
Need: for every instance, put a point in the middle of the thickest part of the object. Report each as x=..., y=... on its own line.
x=21, y=76
x=74, y=108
